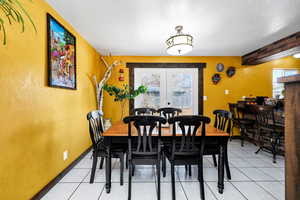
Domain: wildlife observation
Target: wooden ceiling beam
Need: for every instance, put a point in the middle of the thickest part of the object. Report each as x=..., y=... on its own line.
x=279, y=49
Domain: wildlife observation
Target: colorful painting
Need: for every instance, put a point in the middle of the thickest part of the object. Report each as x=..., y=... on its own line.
x=61, y=55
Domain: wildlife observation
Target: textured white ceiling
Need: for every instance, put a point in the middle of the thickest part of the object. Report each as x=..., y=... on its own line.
x=219, y=27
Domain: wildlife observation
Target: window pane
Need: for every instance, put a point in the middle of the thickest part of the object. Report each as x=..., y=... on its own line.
x=279, y=87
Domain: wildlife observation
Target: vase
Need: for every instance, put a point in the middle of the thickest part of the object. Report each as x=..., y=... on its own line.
x=107, y=124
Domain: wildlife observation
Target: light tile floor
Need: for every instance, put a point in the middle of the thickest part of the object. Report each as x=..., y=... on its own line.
x=254, y=177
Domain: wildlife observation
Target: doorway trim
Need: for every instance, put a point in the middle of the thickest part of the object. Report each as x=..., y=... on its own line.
x=199, y=66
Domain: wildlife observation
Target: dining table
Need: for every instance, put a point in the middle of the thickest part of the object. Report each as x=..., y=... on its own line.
x=118, y=134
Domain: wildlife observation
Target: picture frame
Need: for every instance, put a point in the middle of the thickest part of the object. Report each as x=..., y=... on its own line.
x=61, y=48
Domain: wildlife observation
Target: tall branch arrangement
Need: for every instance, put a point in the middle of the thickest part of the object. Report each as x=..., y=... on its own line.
x=123, y=94
x=99, y=84
x=13, y=11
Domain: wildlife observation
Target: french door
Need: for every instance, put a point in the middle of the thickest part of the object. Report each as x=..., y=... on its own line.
x=174, y=87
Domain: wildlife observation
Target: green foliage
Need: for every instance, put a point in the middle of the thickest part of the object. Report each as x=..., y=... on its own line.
x=124, y=93
x=13, y=12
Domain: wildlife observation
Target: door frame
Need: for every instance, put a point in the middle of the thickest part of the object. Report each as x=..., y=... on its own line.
x=199, y=66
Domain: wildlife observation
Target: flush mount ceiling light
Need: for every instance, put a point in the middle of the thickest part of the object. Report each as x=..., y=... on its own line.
x=180, y=43
x=297, y=55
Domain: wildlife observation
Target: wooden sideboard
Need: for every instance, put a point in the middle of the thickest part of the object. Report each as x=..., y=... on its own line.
x=292, y=136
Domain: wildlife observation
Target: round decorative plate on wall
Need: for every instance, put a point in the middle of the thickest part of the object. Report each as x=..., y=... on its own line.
x=220, y=67
x=230, y=71
x=216, y=78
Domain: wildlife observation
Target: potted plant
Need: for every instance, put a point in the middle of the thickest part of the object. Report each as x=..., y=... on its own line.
x=122, y=95
x=13, y=11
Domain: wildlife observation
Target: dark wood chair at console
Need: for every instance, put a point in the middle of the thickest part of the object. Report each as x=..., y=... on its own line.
x=99, y=148
x=269, y=131
x=144, y=111
x=185, y=151
x=147, y=149
x=240, y=121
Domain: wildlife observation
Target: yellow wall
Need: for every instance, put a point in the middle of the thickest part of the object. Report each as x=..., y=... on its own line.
x=38, y=122
x=249, y=80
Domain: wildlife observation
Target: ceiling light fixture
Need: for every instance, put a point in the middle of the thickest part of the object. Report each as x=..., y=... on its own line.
x=297, y=55
x=180, y=43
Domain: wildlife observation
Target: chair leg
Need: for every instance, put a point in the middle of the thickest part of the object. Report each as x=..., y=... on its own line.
x=158, y=179
x=215, y=160
x=101, y=163
x=231, y=132
x=190, y=170
x=129, y=179
x=126, y=160
x=121, y=168
x=173, y=180
x=95, y=158
x=274, y=157
x=274, y=150
x=227, y=165
x=242, y=136
x=133, y=169
x=164, y=164
x=200, y=178
x=256, y=152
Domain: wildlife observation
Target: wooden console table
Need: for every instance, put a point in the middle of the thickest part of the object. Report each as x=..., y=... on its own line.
x=292, y=136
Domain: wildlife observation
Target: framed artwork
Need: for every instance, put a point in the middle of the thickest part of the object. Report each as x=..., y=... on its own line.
x=61, y=55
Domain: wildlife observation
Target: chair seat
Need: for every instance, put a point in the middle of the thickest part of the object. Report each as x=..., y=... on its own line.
x=182, y=155
x=136, y=153
x=246, y=121
x=273, y=128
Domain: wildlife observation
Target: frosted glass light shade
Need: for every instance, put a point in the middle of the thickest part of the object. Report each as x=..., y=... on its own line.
x=179, y=44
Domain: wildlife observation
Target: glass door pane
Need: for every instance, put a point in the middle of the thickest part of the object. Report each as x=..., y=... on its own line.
x=182, y=90
x=154, y=80
x=168, y=87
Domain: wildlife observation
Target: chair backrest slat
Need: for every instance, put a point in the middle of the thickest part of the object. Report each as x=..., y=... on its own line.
x=264, y=115
x=145, y=125
x=169, y=112
x=223, y=120
x=144, y=111
x=189, y=126
x=95, y=127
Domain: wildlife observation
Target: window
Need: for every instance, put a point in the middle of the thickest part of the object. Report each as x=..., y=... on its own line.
x=279, y=87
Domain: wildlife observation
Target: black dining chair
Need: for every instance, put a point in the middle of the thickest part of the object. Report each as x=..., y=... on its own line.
x=270, y=132
x=146, y=149
x=99, y=148
x=168, y=112
x=144, y=111
x=222, y=122
x=184, y=150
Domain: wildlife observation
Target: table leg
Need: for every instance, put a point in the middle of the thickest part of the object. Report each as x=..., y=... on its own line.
x=221, y=167
x=108, y=171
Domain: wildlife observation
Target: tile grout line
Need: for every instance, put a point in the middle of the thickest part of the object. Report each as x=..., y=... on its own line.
x=103, y=188
x=258, y=168
x=181, y=186
x=239, y=191
x=266, y=191
x=78, y=185
x=211, y=191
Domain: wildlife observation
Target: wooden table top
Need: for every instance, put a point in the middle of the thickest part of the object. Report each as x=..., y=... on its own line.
x=121, y=129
